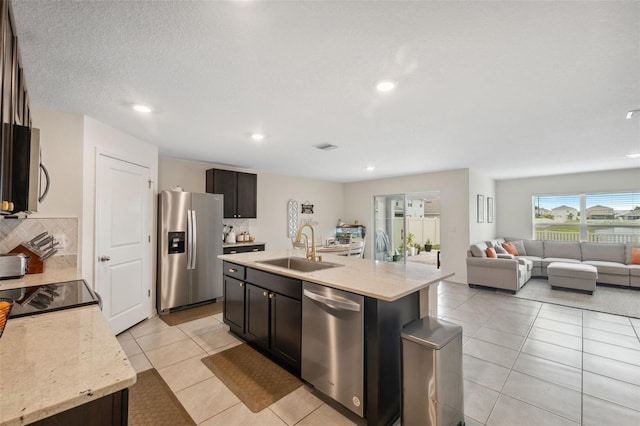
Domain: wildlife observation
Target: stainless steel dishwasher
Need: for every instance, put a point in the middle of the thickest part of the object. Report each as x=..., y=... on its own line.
x=333, y=344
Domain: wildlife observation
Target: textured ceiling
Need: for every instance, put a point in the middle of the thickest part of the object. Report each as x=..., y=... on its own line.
x=511, y=89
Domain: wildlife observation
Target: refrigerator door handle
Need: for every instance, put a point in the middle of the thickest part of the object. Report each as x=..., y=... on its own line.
x=194, y=242
x=189, y=240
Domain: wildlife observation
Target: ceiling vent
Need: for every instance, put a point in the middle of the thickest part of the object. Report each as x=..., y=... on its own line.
x=325, y=147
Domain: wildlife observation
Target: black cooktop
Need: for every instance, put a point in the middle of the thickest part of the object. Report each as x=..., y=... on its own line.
x=50, y=297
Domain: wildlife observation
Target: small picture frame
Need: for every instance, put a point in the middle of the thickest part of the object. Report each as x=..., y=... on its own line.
x=489, y=209
x=307, y=208
x=480, y=208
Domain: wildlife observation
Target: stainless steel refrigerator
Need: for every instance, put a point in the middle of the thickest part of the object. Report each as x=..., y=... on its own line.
x=189, y=242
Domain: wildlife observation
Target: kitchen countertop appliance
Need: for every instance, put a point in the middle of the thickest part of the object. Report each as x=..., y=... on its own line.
x=333, y=344
x=13, y=265
x=44, y=298
x=189, y=229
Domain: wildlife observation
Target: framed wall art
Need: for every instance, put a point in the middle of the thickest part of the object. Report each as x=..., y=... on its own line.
x=480, y=208
x=489, y=209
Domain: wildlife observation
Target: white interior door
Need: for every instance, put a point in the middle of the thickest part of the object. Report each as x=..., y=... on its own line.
x=122, y=238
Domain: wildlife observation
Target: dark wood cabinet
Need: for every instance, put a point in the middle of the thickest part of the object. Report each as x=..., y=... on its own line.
x=247, y=195
x=265, y=310
x=234, y=292
x=110, y=410
x=286, y=329
x=240, y=192
x=14, y=101
x=257, y=315
x=243, y=249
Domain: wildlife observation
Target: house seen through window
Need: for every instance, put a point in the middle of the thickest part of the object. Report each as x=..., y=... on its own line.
x=603, y=218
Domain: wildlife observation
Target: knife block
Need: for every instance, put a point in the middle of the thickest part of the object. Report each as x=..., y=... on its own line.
x=34, y=264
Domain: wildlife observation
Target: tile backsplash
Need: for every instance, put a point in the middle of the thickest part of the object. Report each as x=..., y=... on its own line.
x=16, y=231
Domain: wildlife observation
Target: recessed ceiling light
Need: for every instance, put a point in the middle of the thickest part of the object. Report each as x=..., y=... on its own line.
x=631, y=113
x=257, y=136
x=142, y=108
x=633, y=155
x=385, y=86
x=371, y=168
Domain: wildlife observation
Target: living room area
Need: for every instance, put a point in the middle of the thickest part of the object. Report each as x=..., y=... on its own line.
x=529, y=360
x=543, y=355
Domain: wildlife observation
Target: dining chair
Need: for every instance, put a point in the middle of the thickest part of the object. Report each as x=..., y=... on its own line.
x=356, y=247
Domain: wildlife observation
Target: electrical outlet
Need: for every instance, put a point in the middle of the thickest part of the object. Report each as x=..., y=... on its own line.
x=61, y=239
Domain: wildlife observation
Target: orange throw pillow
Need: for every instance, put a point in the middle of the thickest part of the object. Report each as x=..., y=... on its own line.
x=491, y=253
x=635, y=256
x=510, y=248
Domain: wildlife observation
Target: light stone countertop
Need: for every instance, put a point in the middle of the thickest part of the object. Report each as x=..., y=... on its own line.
x=47, y=277
x=386, y=281
x=52, y=362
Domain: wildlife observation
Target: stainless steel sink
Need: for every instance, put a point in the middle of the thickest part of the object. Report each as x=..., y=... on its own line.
x=299, y=264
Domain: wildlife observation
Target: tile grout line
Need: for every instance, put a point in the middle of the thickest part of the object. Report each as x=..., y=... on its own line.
x=500, y=393
x=582, y=374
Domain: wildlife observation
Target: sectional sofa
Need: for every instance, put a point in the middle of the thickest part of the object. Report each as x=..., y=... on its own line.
x=511, y=272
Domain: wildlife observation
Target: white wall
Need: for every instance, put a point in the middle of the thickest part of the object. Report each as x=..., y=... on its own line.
x=454, y=198
x=99, y=137
x=481, y=185
x=274, y=191
x=190, y=175
x=514, y=197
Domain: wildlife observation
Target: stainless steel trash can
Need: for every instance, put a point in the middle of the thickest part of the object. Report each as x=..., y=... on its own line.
x=432, y=387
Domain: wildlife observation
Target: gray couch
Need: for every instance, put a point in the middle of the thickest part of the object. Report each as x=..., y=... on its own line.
x=512, y=272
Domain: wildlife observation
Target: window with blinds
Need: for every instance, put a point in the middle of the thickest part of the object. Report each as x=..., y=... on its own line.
x=604, y=218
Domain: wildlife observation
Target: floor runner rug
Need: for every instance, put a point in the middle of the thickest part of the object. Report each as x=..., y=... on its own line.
x=152, y=403
x=257, y=381
x=190, y=314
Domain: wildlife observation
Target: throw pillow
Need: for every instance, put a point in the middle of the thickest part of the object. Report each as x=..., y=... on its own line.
x=519, y=246
x=635, y=256
x=491, y=253
x=500, y=250
x=510, y=248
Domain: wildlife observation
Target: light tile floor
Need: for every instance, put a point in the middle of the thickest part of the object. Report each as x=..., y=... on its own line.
x=524, y=363
x=176, y=353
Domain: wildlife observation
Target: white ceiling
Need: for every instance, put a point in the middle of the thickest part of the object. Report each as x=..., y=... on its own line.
x=511, y=89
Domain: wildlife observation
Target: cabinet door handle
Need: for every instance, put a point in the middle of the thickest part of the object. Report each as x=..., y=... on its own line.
x=272, y=295
x=241, y=284
x=264, y=293
x=233, y=270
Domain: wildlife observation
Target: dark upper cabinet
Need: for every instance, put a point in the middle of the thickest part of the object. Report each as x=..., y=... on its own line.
x=247, y=196
x=240, y=192
x=14, y=110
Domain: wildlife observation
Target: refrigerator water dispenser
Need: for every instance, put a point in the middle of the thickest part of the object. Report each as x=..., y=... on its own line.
x=176, y=242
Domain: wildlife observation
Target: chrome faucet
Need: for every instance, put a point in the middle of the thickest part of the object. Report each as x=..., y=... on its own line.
x=310, y=254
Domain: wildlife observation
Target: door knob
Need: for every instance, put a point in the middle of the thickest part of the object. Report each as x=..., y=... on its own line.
x=104, y=258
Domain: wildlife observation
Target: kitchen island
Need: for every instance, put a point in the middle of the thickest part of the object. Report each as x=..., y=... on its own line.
x=63, y=367
x=394, y=294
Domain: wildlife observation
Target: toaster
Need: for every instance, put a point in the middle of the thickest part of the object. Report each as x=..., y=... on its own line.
x=12, y=265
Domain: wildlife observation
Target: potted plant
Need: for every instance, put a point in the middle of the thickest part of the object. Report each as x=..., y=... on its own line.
x=428, y=246
x=418, y=247
x=411, y=250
